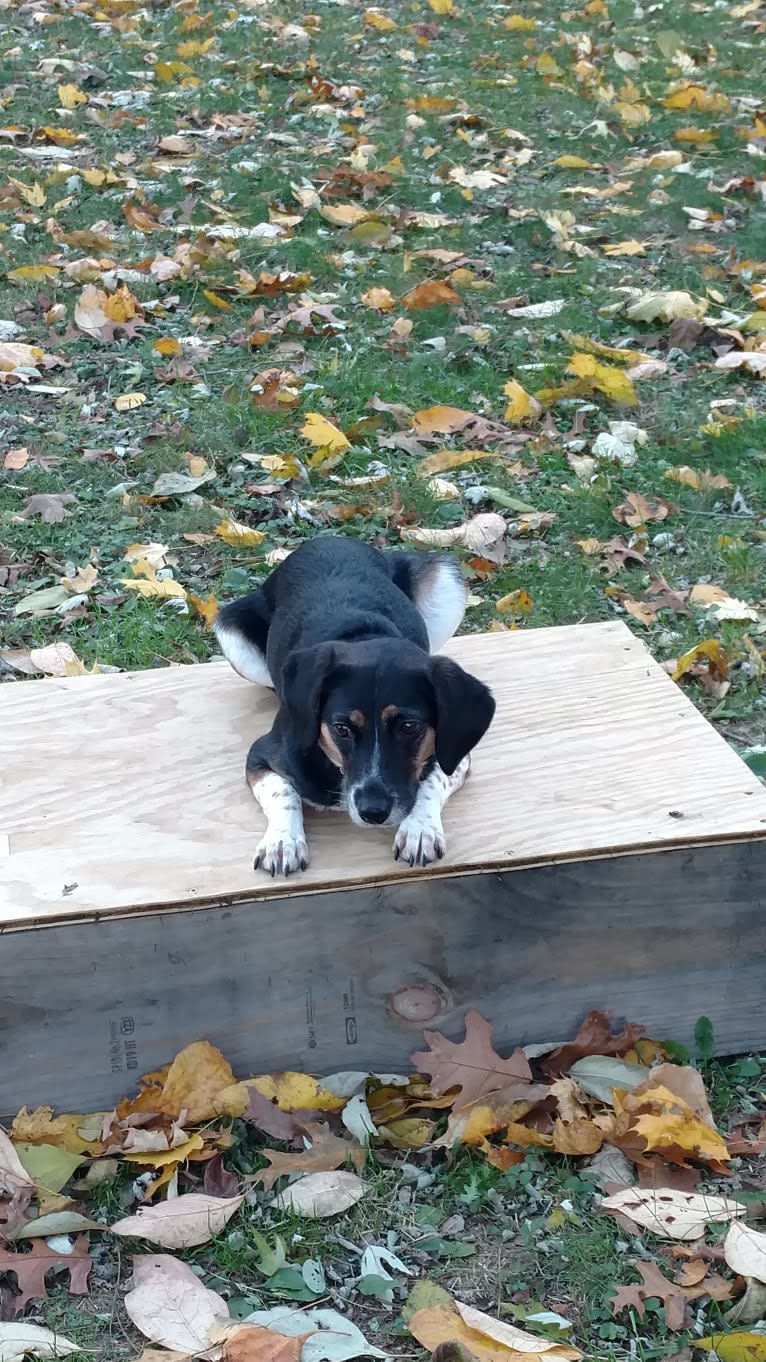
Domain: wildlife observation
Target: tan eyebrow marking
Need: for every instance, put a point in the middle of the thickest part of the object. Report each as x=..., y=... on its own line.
x=327, y=744
x=356, y=718
x=390, y=712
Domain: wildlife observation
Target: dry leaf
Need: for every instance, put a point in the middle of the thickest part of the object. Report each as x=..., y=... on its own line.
x=670, y=1214
x=239, y=536
x=472, y=1064
x=50, y=506
x=665, y=305
x=380, y=299
x=515, y=603
x=254, y=1343
x=169, y=1304
x=325, y=1153
x=24, y=1340
x=196, y=1080
x=603, y=378
x=207, y=607
x=16, y=459
x=31, y=1267
x=433, y=293
x=17, y=355
x=291, y=1092
x=745, y=1251
x=522, y=408
x=319, y=1195
x=323, y=434
x=450, y=458
x=486, y=1339
x=593, y=1038
x=701, y=480
x=636, y=510
x=483, y=534
x=129, y=401
x=182, y=1223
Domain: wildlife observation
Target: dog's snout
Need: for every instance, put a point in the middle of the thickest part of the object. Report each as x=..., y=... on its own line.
x=373, y=803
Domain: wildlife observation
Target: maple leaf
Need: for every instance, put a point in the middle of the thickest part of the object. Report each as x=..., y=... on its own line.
x=472, y=1065
x=50, y=506
x=30, y=1269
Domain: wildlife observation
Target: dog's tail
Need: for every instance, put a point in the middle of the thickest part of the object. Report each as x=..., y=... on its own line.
x=242, y=630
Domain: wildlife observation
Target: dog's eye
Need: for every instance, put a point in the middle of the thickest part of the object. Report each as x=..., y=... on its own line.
x=409, y=727
x=341, y=730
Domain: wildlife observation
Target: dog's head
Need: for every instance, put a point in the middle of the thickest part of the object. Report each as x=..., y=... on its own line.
x=383, y=711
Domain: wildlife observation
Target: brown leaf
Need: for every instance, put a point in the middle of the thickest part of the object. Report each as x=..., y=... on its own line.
x=50, y=506
x=593, y=1038
x=218, y=1180
x=253, y=1343
x=653, y=1284
x=440, y=420
x=472, y=1064
x=266, y=1116
x=30, y=1269
x=433, y=293
x=326, y=1153
x=637, y=509
x=16, y=458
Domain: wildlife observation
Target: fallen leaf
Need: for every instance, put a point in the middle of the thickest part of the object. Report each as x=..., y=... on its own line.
x=319, y=1195
x=324, y=1153
x=745, y=1251
x=440, y=420
x=432, y=293
x=50, y=506
x=180, y=484
x=515, y=603
x=169, y=1304
x=17, y=355
x=483, y=534
x=181, y=1223
x=472, y=1064
x=380, y=299
x=196, y=1080
x=447, y=459
x=700, y=480
x=207, y=607
x=291, y=1092
x=522, y=408
x=720, y=603
x=129, y=401
x=594, y=1037
x=670, y=1214
x=239, y=536
x=336, y=1339
x=604, y=378
x=599, y=1075
x=665, y=305
x=736, y=1347
x=636, y=510
x=30, y=1269
x=323, y=434
x=16, y=459
x=23, y=1339
x=49, y=1166
x=486, y=1339
x=653, y=1284
x=254, y=1343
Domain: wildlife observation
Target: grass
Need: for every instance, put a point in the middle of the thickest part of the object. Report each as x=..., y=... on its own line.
x=264, y=112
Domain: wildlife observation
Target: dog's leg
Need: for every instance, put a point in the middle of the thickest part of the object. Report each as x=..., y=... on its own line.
x=283, y=847
x=420, y=836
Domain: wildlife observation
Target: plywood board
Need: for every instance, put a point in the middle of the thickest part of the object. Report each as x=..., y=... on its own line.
x=349, y=979
x=125, y=793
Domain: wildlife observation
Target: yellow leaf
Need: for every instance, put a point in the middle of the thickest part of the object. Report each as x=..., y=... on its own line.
x=698, y=97
x=381, y=299
x=696, y=136
x=547, y=65
x=196, y=1079
x=33, y=274
x=700, y=480
x=441, y=6
x=239, y=536
x=70, y=96
x=594, y=347
x=515, y=603
x=61, y=137
x=343, y=214
x=18, y=355
x=374, y=19
x=284, y=466
x=736, y=1347
x=518, y=23
x=589, y=546
x=162, y=1157
x=573, y=163
x=711, y=650
x=217, y=300
x=522, y=409
x=631, y=247
x=665, y=305
x=440, y=420
x=291, y=1092
x=683, y=1131
x=613, y=383
x=166, y=71
x=121, y=306
x=323, y=434
x=33, y=194
x=129, y=401
x=207, y=608
x=75, y=1132
x=451, y=458
x=167, y=345
x=162, y=590
x=411, y=1132
x=486, y=1339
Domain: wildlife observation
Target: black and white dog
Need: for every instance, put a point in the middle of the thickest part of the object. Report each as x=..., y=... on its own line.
x=368, y=721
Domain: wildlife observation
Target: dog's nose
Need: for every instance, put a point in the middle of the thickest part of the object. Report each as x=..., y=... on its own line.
x=374, y=803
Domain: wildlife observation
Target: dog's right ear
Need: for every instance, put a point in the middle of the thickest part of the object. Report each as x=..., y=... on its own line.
x=304, y=677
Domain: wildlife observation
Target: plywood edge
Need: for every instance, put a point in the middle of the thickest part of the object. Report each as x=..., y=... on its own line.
x=273, y=893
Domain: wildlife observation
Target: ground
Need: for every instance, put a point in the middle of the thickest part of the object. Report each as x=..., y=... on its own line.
x=253, y=248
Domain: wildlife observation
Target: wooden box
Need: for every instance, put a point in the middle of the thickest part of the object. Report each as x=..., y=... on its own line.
x=609, y=850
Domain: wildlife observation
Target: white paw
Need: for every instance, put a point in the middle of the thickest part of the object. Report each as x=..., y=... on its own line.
x=281, y=855
x=419, y=840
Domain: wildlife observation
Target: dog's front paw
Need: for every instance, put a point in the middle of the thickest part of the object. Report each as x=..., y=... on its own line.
x=419, y=840
x=281, y=855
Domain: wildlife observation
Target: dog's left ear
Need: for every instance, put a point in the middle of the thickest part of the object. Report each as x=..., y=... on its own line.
x=464, y=711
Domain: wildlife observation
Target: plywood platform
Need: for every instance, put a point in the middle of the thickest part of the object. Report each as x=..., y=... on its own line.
x=608, y=849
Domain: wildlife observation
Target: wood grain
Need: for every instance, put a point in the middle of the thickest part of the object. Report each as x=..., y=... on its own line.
x=123, y=793
x=348, y=980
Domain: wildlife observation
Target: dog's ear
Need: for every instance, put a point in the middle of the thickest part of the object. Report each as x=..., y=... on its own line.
x=464, y=711
x=304, y=677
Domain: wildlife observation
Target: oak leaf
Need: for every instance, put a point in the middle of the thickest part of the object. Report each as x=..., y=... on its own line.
x=325, y=1153
x=472, y=1064
x=593, y=1038
x=30, y=1270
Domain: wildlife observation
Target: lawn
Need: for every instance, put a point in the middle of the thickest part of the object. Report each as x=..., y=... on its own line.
x=403, y=273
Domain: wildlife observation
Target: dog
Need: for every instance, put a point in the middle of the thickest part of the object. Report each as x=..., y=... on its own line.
x=368, y=720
